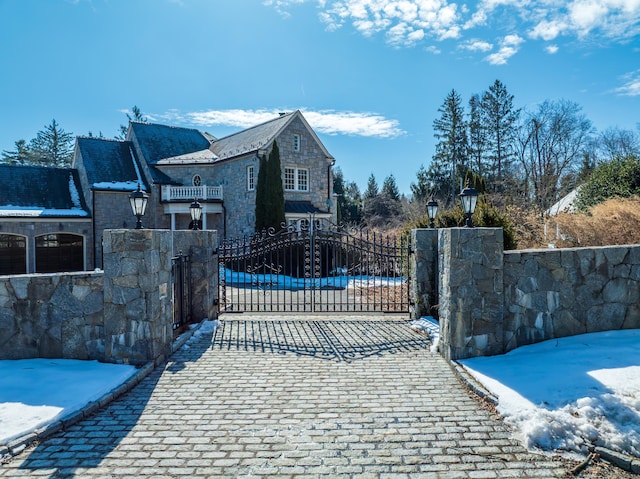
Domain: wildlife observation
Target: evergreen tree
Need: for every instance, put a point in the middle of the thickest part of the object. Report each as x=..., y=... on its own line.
x=137, y=116
x=261, y=193
x=372, y=188
x=451, y=158
x=499, y=123
x=390, y=188
x=477, y=135
x=22, y=155
x=421, y=189
x=274, y=197
x=52, y=146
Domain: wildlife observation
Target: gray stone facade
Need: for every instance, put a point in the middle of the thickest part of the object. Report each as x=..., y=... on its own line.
x=122, y=315
x=34, y=227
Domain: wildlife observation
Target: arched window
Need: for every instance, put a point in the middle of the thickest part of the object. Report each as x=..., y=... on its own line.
x=13, y=254
x=59, y=252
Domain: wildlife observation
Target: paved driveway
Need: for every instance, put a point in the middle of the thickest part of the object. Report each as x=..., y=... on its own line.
x=343, y=397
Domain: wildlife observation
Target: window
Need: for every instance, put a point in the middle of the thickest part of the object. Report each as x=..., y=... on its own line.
x=296, y=179
x=13, y=254
x=197, y=180
x=59, y=252
x=296, y=142
x=251, y=178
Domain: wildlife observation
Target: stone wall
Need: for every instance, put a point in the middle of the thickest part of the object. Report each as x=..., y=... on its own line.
x=122, y=315
x=470, y=291
x=423, y=274
x=56, y=315
x=490, y=301
x=563, y=292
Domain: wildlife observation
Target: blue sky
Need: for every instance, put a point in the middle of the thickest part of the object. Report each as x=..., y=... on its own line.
x=369, y=75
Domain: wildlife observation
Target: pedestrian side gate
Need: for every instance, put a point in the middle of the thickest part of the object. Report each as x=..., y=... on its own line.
x=181, y=289
x=312, y=266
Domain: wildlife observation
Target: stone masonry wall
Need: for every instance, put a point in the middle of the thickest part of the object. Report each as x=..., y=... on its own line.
x=121, y=315
x=52, y=316
x=470, y=284
x=424, y=267
x=490, y=301
x=563, y=292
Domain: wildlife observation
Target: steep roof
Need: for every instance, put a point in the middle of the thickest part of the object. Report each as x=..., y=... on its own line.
x=38, y=191
x=110, y=164
x=159, y=142
x=258, y=137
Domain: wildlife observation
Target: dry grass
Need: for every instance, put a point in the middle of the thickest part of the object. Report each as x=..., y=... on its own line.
x=614, y=222
x=528, y=226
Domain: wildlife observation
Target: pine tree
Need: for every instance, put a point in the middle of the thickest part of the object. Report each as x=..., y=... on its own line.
x=390, y=188
x=477, y=135
x=372, y=188
x=53, y=146
x=451, y=158
x=137, y=116
x=274, y=199
x=499, y=119
x=261, y=194
x=22, y=155
x=421, y=189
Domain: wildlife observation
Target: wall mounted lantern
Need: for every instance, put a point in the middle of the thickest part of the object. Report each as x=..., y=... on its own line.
x=196, y=214
x=469, y=197
x=138, y=200
x=432, y=211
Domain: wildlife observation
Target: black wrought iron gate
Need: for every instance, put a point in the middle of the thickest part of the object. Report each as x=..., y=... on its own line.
x=181, y=290
x=311, y=267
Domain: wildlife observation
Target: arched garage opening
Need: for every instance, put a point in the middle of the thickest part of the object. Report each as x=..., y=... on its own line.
x=13, y=254
x=59, y=252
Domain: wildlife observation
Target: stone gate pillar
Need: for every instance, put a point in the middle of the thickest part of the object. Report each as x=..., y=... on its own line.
x=471, y=292
x=423, y=264
x=138, y=312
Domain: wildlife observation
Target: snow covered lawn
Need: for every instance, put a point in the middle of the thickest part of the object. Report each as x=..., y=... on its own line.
x=568, y=393
x=37, y=392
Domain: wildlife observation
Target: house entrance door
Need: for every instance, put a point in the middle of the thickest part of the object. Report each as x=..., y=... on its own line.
x=311, y=266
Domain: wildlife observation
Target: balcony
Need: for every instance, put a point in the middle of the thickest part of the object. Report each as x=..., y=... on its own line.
x=189, y=193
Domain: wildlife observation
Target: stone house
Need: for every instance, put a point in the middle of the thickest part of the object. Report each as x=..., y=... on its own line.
x=174, y=166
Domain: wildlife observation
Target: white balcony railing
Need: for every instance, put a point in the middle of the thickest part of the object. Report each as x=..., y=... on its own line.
x=189, y=193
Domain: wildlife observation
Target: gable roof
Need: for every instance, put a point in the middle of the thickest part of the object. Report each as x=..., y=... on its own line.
x=259, y=137
x=39, y=191
x=158, y=142
x=109, y=164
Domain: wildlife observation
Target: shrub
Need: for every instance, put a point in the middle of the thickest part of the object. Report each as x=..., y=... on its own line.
x=485, y=215
x=618, y=178
x=614, y=222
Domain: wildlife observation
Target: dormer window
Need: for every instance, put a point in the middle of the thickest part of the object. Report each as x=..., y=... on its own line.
x=197, y=181
x=296, y=142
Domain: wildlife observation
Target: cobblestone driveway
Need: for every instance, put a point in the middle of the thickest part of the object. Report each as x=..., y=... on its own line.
x=292, y=398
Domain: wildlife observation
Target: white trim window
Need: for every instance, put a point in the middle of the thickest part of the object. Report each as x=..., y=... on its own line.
x=251, y=178
x=296, y=142
x=296, y=179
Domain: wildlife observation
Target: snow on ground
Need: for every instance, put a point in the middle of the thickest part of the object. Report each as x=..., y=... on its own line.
x=280, y=281
x=566, y=394
x=37, y=392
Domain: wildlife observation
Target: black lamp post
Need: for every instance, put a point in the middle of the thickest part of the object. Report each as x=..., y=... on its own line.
x=196, y=214
x=432, y=211
x=469, y=197
x=138, y=200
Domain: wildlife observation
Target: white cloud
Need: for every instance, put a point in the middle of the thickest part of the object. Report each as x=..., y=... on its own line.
x=551, y=49
x=509, y=46
x=329, y=122
x=476, y=45
x=405, y=23
x=631, y=84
